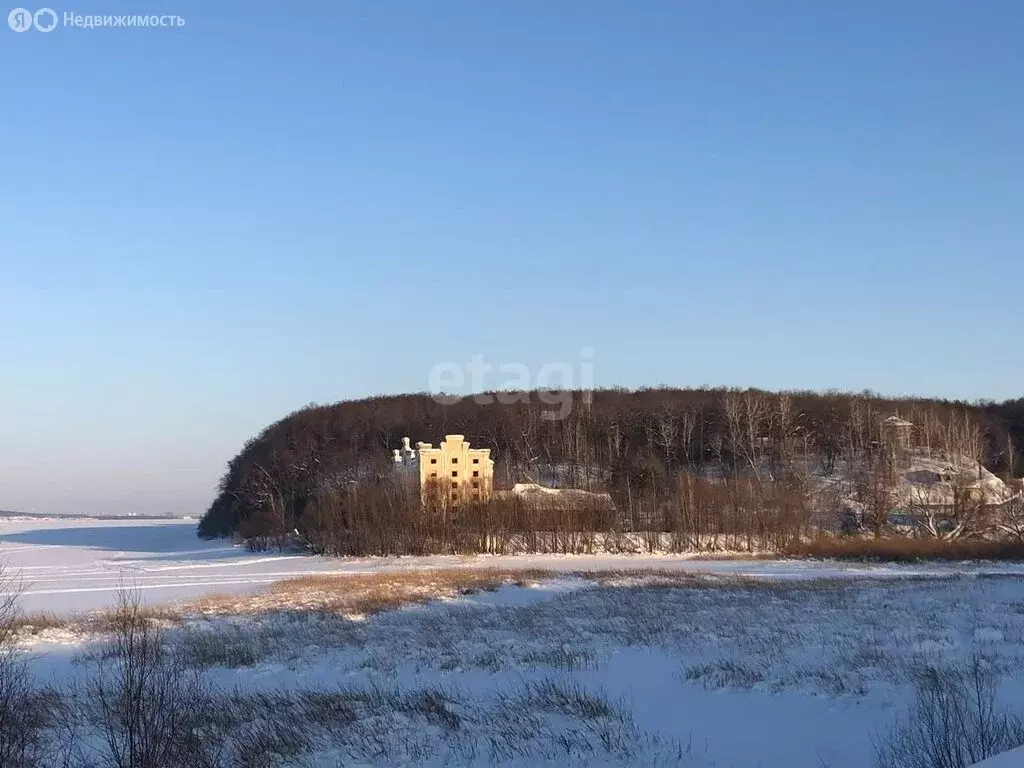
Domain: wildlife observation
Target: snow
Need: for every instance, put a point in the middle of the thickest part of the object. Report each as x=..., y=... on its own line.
x=795, y=674
x=78, y=564
x=67, y=565
x=806, y=665
x=920, y=483
x=1012, y=759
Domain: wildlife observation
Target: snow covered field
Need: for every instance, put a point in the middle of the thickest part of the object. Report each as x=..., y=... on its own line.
x=648, y=668
x=78, y=564
x=612, y=670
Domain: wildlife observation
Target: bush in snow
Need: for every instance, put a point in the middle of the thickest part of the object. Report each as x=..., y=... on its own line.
x=954, y=722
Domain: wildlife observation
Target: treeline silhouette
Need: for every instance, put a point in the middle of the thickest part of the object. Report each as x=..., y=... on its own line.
x=686, y=469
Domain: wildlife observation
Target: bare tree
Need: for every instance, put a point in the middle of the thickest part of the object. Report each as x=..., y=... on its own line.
x=663, y=431
x=744, y=416
x=689, y=422
x=964, y=449
x=954, y=721
x=1009, y=518
x=27, y=714
x=148, y=708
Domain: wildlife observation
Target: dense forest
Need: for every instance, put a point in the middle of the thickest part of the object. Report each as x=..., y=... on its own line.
x=690, y=462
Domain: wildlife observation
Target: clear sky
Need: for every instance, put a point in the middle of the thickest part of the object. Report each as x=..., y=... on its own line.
x=202, y=229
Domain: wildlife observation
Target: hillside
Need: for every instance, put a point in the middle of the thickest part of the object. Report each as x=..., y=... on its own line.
x=641, y=442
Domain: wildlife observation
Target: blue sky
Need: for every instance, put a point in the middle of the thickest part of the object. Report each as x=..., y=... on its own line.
x=205, y=228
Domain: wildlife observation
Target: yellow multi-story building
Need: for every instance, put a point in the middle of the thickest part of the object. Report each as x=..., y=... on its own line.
x=452, y=469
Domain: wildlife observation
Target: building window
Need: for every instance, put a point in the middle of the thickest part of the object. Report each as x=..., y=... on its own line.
x=433, y=474
x=475, y=473
x=476, y=483
x=454, y=473
x=455, y=461
x=433, y=461
x=454, y=486
x=476, y=461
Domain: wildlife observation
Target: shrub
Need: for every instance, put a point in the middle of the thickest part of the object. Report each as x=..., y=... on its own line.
x=954, y=721
x=27, y=714
x=904, y=549
x=148, y=709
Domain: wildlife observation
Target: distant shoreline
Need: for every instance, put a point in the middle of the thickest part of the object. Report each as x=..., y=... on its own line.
x=11, y=515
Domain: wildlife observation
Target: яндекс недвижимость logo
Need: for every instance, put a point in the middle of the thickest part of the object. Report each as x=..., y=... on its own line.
x=22, y=19
x=47, y=20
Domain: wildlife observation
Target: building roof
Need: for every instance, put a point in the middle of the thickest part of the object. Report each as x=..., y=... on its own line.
x=897, y=421
x=542, y=496
x=934, y=481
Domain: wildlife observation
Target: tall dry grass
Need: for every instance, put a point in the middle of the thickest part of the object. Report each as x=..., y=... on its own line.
x=363, y=594
x=904, y=549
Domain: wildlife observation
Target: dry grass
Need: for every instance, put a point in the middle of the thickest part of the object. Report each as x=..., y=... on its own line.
x=366, y=594
x=356, y=595
x=99, y=622
x=42, y=621
x=903, y=549
x=639, y=577
x=363, y=594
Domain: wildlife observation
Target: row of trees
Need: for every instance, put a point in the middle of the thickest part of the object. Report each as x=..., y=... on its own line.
x=705, y=467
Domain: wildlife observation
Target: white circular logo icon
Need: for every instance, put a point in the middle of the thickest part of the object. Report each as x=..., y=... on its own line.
x=20, y=20
x=45, y=19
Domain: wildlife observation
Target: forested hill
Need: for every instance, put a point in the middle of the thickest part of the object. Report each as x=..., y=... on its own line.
x=635, y=438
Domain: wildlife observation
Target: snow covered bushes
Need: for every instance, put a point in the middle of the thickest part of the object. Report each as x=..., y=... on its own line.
x=139, y=707
x=624, y=669
x=27, y=713
x=954, y=722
